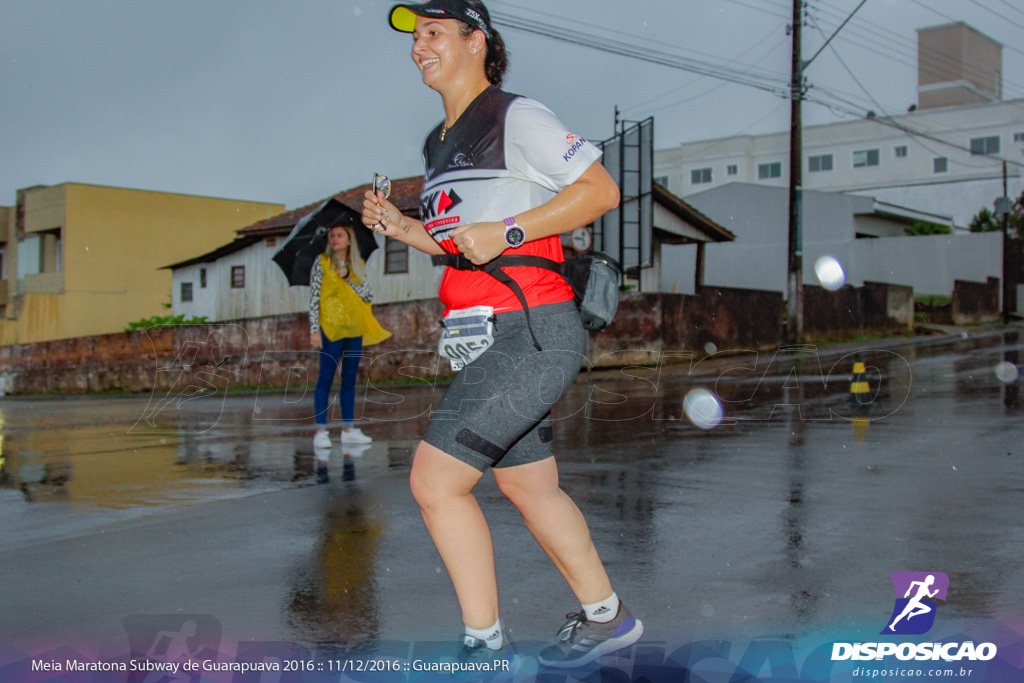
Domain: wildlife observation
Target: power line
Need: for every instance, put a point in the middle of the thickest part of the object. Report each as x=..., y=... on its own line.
x=1015, y=9
x=892, y=123
x=877, y=29
x=784, y=15
x=696, y=80
x=992, y=11
x=949, y=18
x=881, y=37
x=871, y=97
x=762, y=81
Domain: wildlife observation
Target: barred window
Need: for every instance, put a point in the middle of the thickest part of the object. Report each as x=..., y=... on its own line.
x=396, y=256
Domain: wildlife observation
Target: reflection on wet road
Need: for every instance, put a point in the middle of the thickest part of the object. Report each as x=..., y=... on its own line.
x=796, y=505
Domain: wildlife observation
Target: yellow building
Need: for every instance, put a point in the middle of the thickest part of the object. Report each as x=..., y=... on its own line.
x=79, y=260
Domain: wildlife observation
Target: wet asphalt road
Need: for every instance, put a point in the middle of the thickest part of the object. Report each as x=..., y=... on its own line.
x=786, y=517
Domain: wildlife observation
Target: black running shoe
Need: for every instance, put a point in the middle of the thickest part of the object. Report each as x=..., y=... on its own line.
x=580, y=642
x=481, y=662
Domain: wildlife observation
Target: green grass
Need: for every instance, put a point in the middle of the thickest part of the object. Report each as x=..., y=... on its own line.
x=933, y=300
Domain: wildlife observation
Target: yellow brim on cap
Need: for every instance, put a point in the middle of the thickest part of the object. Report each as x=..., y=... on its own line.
x=403, y=19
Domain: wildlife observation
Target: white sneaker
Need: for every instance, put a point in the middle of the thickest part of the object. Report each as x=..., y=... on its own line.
x=322, y=440
x=354, y=450
x=355, y=435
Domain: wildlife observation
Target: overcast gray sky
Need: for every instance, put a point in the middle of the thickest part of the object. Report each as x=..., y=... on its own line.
x=291, y=101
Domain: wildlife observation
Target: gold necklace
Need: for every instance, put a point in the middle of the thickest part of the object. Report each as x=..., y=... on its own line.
x=444, y=130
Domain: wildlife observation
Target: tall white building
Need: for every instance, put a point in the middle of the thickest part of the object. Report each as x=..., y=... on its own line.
x=952, y=163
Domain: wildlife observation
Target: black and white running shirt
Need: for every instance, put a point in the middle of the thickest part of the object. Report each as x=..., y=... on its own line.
x=505, y=155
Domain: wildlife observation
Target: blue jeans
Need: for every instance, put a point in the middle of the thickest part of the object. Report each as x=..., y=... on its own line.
x=349, y=351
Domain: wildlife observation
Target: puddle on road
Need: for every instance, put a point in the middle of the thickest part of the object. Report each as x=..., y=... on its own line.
x=123, y=453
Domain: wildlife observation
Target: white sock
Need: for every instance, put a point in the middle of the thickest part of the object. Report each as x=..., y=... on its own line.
x=603, y=611
x=491, y=636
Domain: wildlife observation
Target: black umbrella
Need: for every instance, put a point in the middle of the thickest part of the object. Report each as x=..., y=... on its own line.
x=308, y=240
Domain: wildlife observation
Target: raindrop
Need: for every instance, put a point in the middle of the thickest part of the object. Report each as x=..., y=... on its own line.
x=703, y=409
x=710, y=348
x=707, y=610
x=1007, y=372
x=830, y=273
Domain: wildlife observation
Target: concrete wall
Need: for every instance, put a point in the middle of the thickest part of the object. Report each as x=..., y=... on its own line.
x=930, y=264
x=975, y=302
x=273, y=352
x=875, y=307
x=757, y=259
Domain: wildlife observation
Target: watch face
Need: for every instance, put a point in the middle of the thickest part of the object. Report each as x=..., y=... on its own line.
x=514, y=236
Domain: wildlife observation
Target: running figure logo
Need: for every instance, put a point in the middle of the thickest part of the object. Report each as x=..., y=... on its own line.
x=914, y=612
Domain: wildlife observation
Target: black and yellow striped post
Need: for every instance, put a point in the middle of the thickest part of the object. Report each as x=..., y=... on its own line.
x=861, y=399
x=860, y=390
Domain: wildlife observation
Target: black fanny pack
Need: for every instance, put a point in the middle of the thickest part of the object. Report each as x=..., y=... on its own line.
x=593, y=276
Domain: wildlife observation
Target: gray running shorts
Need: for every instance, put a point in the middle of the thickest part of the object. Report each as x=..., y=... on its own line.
x=497, y=411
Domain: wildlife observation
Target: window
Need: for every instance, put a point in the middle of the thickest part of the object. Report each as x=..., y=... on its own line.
x=202, y=278
x=29, y=256
x=983, y=146
x=186, y=291
x=1018, y=137
x=732, y=169
x=771, y=170
x=237, y=277
x=700, y=176
x=271, y=241
x=396, y=256
x=817, y=164
x=900, y=151
x=2, y=259
x=865, y=157
x=661, y=180
x=940, y=165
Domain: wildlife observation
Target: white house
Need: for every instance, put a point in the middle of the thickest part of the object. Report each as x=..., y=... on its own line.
x=239, y=280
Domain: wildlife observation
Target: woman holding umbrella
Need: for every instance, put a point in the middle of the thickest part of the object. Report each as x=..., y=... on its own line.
x=340, y=325
x=504, y=176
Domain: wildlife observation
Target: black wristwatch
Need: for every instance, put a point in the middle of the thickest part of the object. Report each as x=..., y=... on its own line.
x=514, y=233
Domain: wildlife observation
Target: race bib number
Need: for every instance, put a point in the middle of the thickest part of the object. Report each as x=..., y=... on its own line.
x=467, y=334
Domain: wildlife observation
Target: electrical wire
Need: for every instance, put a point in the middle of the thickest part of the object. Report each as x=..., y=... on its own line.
x=913, y=133
x=1015, y=9
x=762, y=81
x=992, y=11
x=690, y=83
x=949, y=18
x=882, y=40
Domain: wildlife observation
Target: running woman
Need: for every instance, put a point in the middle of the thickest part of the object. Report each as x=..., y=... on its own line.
x=503, y=176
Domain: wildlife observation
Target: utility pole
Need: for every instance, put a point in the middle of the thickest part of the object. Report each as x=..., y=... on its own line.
x=1005, y=207
x=795, y=309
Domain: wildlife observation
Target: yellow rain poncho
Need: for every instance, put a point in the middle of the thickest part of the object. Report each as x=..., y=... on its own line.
x=343, y=313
